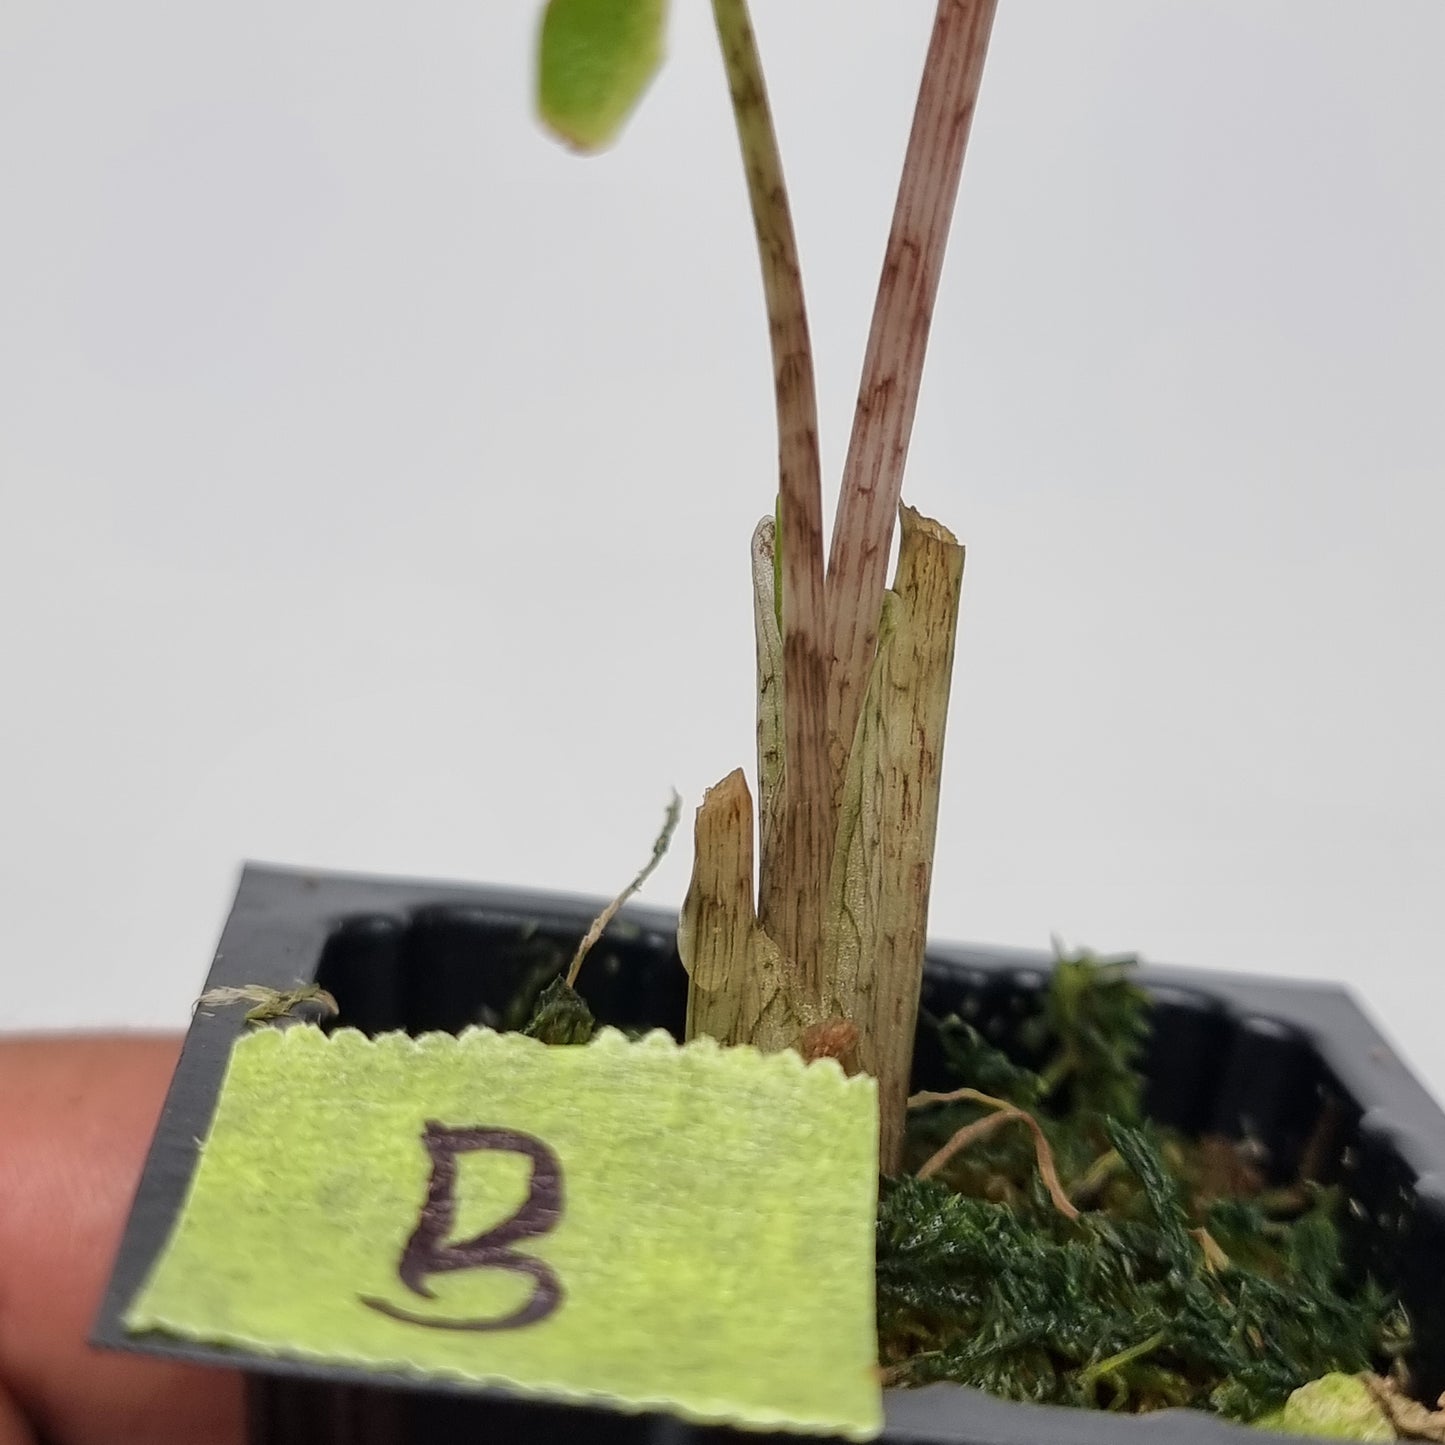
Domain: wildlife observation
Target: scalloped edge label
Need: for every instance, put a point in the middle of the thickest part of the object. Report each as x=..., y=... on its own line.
x=643, y=1225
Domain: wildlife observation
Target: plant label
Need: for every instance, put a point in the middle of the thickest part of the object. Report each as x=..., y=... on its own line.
x=636, y=1224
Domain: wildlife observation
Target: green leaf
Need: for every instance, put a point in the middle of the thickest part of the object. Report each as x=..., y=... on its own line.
x=595, y=59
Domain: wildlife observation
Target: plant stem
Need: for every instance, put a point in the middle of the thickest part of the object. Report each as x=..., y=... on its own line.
x=897, y=342
x=1091, y=1374
x=794, y=884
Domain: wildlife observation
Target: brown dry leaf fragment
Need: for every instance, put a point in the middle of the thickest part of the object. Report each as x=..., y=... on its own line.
x=1215, y=1259
x=271, y=1003
x=831, y=1039
x=1410, y=1419
x=1225, y=1170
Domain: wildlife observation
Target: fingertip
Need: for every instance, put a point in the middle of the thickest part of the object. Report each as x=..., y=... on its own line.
x=82, y=1111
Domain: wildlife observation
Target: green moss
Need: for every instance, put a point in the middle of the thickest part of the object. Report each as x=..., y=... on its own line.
x=1180, y=1283
x=560, y=1016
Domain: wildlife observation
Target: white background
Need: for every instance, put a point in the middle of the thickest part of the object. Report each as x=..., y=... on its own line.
x=377, y=477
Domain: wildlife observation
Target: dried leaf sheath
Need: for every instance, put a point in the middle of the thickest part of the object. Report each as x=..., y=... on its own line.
x=738, y=989
x=883, y=868
x=744, y=989
x=769, y=651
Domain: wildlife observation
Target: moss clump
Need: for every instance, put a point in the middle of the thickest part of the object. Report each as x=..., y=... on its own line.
x=1126, y=1309
x=560, y=1016
x=1169, y=1276
x=1180, y=1282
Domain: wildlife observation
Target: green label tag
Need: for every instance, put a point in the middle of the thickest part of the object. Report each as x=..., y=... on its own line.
x=636, y=1224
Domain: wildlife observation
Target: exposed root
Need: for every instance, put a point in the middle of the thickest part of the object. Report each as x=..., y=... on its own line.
x=599, y=924
x=1004, y=1113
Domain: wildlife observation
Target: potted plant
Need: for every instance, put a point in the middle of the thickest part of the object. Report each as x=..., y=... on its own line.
x=1291, y=1087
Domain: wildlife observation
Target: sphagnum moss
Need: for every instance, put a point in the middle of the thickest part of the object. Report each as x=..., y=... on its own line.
x=1179, y=1281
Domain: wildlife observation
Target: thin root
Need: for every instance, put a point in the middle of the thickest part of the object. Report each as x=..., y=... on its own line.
x=599, y=924
x=1003, y=1113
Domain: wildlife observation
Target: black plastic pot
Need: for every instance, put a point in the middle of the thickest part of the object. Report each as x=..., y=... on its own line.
x=1294, y=1067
